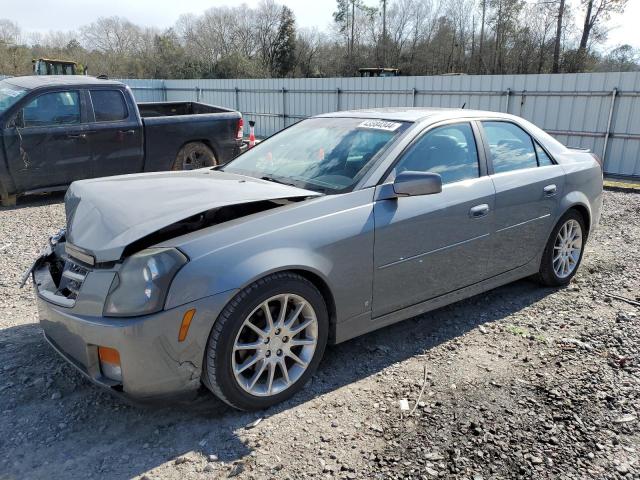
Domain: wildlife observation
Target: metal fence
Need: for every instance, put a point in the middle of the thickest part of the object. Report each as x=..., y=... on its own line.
x=599, y=111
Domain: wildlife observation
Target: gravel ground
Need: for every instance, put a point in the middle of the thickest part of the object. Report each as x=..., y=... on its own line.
x=521, y=382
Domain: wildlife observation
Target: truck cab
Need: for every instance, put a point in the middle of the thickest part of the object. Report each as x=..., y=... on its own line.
x=60, y=128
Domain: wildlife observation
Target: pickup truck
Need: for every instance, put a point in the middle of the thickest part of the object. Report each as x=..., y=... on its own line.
x=58, y=129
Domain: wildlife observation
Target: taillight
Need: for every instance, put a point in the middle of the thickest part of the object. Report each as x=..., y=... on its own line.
x=598, y=159
x=240, y=132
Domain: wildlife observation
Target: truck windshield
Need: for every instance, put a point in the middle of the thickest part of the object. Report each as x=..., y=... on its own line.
x=9, y=95
x=328, y=155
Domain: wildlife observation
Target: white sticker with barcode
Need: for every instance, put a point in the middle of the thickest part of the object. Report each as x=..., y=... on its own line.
x=380, y=125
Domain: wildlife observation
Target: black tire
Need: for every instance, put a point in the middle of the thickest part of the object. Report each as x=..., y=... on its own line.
x=8, y=200
x=194, y=155
x=547, y=275
x=218, y=374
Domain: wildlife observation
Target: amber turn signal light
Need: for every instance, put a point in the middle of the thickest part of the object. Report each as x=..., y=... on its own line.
x=186, y=323
x=109, y=355
x=110, y=363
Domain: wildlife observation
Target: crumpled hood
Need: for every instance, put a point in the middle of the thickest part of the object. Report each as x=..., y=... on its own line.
x=105, y=215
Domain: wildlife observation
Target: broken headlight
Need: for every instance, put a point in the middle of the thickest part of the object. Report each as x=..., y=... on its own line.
x=140, y=286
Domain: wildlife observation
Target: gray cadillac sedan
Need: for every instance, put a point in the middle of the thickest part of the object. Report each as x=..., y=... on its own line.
x=236, y=277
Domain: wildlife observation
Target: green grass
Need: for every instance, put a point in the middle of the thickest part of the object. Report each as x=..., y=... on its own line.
x=524, y=333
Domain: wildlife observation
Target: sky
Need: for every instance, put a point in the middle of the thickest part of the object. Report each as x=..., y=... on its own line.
x=43, y=15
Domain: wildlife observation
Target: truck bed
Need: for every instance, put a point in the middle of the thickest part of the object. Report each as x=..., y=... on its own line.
x=170, y=109
x=170, y=125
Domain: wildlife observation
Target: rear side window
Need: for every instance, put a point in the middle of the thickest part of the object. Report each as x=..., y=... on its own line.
x=511, y=147
x=449, y=150
x=51, y=109
x=543, y=158
x=108, y=105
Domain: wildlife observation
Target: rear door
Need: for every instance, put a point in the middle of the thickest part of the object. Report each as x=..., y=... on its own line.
x=426, y=246
x=116, y=134
x=528, y=184
x=48, y=146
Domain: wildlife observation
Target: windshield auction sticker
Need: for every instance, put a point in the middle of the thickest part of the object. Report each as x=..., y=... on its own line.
x=380, y=125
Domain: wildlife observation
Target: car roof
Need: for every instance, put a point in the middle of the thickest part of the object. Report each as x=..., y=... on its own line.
x=38, y=81
x=414, y=114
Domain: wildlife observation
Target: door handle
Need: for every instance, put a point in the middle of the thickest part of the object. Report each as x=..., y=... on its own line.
x=550, y=190
x=479, y=211
x=76, y=135
x=127, y=132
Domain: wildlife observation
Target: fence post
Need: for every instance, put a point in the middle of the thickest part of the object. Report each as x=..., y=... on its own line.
x=337, y=99
x=197, y=93
x=164, y=90
x=523, y=98
x=506, y=107
x=607, y=134
x=284, y=107
x=237, y=91
x=413, y=96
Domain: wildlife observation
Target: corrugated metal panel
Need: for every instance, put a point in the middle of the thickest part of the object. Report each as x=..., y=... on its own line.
x=573, y=107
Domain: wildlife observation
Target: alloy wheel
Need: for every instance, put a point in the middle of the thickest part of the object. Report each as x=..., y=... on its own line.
x=567, y=248
x=275, y=345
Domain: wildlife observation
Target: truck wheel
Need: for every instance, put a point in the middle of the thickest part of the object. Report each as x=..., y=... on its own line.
x=267, y=342
x=8, y=201
x=194, y=155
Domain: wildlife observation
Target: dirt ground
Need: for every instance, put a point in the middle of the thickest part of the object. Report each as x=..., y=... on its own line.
x=521, y=382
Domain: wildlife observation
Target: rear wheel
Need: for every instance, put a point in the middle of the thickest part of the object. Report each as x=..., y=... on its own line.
x=563, y=253
x=267, y=342
x=194, y=155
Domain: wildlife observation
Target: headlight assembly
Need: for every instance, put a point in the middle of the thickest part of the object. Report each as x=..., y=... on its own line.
x=140, y=286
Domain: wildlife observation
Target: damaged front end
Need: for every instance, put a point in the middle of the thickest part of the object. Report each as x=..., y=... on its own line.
x=102, y=283
x=46, y=254
x=135, y=353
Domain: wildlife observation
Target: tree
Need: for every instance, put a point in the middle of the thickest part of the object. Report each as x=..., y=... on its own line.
x=597, y=11
x=112, y=35
x=9, y=32
x=284, y=56
x=624, y=58
x=482, y=26
x=421, y=37
x=556, y=43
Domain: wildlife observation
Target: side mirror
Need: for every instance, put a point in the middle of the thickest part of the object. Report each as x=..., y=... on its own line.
x=408, y=184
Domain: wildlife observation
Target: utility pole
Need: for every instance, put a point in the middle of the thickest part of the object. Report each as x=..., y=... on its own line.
x=353, y=22
x=384, y=33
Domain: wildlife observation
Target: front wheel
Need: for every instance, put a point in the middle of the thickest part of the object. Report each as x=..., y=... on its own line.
x=563, y=253
x=267, y=342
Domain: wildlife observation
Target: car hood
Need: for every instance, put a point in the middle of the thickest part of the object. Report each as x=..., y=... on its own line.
x=107, y=214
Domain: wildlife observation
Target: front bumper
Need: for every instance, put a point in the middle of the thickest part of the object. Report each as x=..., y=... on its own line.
x=154, y=363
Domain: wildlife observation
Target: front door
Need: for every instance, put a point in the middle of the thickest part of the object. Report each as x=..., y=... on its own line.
x=528, y=184
x=426, y=246
x=48, y=145
x=116, y=135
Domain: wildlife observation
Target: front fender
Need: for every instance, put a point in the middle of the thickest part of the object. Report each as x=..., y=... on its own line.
x=196, y=280
x=330, y=237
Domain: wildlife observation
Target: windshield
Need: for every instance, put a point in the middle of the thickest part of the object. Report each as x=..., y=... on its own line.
x=9, y=95
x=328, y=155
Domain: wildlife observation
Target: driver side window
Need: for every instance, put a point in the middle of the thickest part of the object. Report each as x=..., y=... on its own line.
x=52, y=109
x=449, y=150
